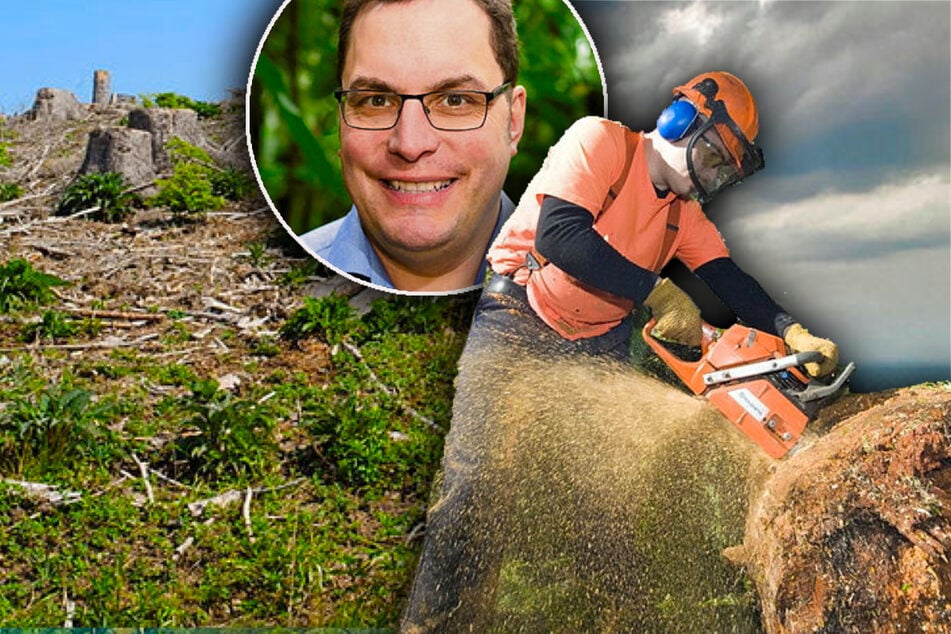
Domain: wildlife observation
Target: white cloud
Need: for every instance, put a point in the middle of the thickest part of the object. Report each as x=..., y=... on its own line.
x=910, y=214
x=694, y=20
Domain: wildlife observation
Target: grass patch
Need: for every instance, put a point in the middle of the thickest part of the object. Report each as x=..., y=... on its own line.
x=340, y=469
x=10, y=191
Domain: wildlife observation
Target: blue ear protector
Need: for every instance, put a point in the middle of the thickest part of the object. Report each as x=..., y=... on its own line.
x=676, y=120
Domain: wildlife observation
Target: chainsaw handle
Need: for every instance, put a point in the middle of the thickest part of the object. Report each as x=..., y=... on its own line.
x=683, y=369
x=707, y=337
x=809, y=356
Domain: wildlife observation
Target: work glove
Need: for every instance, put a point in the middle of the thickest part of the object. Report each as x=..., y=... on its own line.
x=678, y=318
x=799, y=340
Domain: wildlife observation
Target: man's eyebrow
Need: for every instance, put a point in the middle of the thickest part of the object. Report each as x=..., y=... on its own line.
x=370, y=83
x=462, y=82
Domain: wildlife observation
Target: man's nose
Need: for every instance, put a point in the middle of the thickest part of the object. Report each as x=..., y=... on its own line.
x=413, y=136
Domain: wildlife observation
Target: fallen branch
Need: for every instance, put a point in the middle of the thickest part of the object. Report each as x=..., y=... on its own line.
x=144, y=470
x=231, y=496
x=107, y=344
x=246, y=513
x=45, y=492
x=184, y=546
x=70, y=606
x=114, y=314
x=21, y=199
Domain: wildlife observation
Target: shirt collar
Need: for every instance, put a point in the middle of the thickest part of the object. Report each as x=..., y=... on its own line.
x=352, y=252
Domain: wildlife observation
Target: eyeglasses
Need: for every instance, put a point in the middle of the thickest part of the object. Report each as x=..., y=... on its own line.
x=454, y=110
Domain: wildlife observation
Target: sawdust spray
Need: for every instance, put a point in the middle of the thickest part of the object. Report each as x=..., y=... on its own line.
x=613, y=496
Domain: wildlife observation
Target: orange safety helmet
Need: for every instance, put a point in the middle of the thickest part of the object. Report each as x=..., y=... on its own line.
x=729, y=110
x=703, y=89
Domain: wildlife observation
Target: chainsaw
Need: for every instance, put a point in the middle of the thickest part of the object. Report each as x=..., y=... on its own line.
x=752, y=379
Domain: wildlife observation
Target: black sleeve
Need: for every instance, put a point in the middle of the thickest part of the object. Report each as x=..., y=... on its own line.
x=744, y=296
x=566, y=236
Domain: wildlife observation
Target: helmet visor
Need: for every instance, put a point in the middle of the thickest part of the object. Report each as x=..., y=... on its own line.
x=713, y=166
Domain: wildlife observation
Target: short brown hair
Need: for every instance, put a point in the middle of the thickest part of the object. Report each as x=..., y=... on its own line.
x=504, y=39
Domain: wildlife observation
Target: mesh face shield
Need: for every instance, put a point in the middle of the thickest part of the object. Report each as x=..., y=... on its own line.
x=718, y=155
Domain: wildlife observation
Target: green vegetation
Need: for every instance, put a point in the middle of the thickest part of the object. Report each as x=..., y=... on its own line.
x=231, y=183
x=44, y=432
x=22, y=286
x=204, y=109
x=285, y=500
x=10, y=191
x=105, y=191
x=294, y=127
x=5, y=159
x=197, y=185
x=234, y=436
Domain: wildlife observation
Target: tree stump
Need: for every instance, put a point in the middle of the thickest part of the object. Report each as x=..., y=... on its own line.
x=163, y=124
x=101, y=91
x=122, y=150
x=56, y=104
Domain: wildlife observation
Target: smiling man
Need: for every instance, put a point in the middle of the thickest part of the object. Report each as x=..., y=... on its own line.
x=430, y=117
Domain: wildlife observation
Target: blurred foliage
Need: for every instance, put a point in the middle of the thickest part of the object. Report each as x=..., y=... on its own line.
x=293, y=114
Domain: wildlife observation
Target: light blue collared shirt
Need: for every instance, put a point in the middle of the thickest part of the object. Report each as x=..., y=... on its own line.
x=344, y=246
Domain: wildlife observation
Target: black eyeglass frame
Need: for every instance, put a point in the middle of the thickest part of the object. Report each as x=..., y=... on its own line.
x=490, y=95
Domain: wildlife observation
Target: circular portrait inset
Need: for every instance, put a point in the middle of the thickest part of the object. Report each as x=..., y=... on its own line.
x=392, y=138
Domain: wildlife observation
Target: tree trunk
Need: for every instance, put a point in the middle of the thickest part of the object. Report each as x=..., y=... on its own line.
x=852, y=533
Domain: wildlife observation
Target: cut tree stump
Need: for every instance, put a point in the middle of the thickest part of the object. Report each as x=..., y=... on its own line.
x=56, y=104
x=163, y=124
x=122, y=150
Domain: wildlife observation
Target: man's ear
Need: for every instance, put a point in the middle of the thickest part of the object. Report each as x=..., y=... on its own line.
x=517, y=119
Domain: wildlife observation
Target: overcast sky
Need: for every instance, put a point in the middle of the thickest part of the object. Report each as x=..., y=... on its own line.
x=849, y=224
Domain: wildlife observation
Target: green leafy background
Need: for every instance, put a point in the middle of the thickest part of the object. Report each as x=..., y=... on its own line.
x=293, y=114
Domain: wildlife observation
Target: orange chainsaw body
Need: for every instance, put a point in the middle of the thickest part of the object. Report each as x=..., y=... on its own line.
x=757, y=405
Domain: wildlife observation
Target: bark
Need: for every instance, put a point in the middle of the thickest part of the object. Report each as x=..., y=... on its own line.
x=56, y=104
x=853, y=532
x=163, y=124
x=122, y=150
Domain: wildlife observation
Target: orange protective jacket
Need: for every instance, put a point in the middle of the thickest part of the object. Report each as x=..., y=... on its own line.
x=581, y=168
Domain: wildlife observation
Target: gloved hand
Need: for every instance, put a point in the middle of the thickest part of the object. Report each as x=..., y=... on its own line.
x=799, y=340
x=678, y=318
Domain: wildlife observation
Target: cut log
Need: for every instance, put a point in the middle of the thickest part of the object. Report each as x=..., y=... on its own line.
x=853, y=533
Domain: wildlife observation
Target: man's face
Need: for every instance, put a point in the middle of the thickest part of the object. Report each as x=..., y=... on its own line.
x=425, y=196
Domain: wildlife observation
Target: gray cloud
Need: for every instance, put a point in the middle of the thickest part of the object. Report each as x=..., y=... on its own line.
x=819, y=70
x=849, y=225
x=829, y=226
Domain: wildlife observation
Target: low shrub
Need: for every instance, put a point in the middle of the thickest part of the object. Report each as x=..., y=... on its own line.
x=197, y=185
x=330, y=319
x=21, y=285
x=43, y=433
x=231, y=183
x=233, y=438
x=205, y=109
x=105, y=191
x=188, y=191
x=10, y=191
